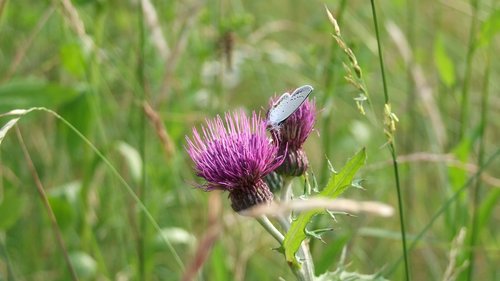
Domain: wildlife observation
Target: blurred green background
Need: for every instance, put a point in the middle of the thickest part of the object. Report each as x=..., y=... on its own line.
x=95, y=62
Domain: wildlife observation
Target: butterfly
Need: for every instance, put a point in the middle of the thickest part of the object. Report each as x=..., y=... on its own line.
x=286, y=105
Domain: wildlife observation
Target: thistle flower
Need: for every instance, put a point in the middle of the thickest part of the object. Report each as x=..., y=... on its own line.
x=290, y=137
x=234, y=156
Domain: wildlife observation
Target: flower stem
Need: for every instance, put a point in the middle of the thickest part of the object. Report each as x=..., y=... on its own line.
x=307, y=269
x=269, y=227
x=305, y=255
x=286, y=189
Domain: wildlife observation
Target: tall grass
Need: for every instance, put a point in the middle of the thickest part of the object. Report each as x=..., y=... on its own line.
x=112, y=77
x=142, y=188
x=47, y=206
x=464, y=103
x=392, y=148
x=476, y=192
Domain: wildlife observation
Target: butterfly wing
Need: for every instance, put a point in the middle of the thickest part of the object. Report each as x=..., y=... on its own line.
x=278, y=108
x=288, y=104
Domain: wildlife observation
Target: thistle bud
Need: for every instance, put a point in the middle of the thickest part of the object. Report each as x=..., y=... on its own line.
x=274, y=181
x=290, y=137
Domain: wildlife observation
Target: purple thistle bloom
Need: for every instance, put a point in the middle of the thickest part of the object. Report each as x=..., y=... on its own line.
x=291, y=135
x=235, y=155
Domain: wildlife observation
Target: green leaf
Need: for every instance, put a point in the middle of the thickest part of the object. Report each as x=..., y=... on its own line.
x=458, y=176
x=444, y=64
x=331, y=253
x=79, y=113
x=487, y=206
x=218, y=264
x=72, y=59
x=317, y=233
x=64, y=201
x=63, y=211
x=458, y=214
x=489, y=28
x=296, y=234
x=33, y=92
x=337, y=184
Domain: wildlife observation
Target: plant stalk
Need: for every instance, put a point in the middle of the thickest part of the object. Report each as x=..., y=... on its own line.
x=464, y=105
x=286, y=189
x=442, y=209
x=474, y=233
x=276, y=234
x=285, y=221
x=142, y=233
x=392, y=147
x=269, y=227
x=6, y=258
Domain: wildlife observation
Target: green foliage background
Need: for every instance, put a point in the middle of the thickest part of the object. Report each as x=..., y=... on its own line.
x=88, y=61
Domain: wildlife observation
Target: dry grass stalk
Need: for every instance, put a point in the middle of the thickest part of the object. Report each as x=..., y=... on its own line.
x=452, y=270
x=153, y=24
x=161, y=131
x=320, y=203
x=75, y=22
x=423, y=90
x=179, y=47
x=209, y=238
x=354, y=73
